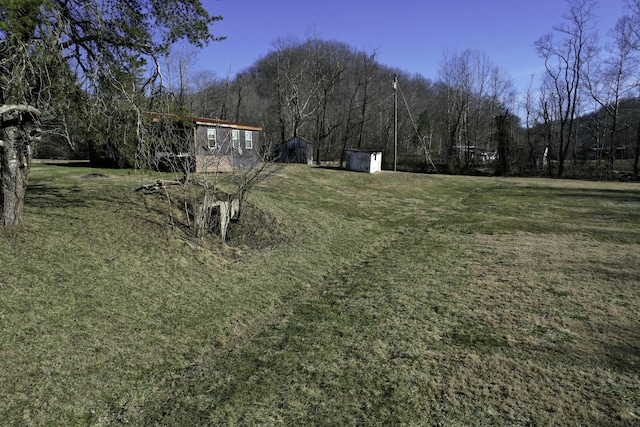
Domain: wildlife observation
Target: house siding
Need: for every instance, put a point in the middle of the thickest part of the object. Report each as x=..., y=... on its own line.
x=213, y=155
x=223, y=156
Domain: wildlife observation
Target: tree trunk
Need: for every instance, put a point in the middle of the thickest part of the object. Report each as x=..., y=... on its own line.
x=18, y=127
x=636, y=155
x=560, y=163
x=502, y=136
x=563, y=150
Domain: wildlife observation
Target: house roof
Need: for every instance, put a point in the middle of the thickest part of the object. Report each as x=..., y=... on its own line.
x=207, y=121
x=224, y=123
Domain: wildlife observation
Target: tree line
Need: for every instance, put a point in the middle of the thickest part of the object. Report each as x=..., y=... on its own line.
x=77, y=76
x=578, y=118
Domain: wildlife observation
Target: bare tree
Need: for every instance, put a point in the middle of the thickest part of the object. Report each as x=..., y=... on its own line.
x=633, y=11
x=476, y=92
x=331, y=66
x=566, y=52
x=547, y=114
x=297, y=86
x=177, y=64
x=612, y=79
x=456, y=76
x=633, y=8
x=534, y=154
x=204, y=100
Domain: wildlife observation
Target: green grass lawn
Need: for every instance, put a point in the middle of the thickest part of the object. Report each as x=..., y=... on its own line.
x=344, y=299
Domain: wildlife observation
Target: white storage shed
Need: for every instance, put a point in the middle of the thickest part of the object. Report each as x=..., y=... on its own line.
x=364, y=161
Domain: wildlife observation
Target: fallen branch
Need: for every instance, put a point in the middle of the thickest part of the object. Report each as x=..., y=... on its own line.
x=159, y=185
x=22, y=108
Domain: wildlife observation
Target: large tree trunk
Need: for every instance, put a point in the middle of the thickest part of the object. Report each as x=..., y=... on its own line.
x=502, y=136
x=560, y=163
x=18, y=127
x=636, y=154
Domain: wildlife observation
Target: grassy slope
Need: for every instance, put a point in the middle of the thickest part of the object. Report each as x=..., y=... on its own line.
x=393, y=299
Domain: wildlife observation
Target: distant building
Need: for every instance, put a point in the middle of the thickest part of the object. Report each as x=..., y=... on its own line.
x=473, y=154
x=364, y=161
x=296, y=150
x=595, y=152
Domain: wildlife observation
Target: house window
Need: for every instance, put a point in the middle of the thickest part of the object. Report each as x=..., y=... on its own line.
x=248, y=139
x=212, y=140
x=235, y=138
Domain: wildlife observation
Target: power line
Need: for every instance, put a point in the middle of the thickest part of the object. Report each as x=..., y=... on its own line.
x=396, y=86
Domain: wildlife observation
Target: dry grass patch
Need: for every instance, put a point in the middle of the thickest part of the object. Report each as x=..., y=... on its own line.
x=554, y=321
x=494, y=389
x=344, y=299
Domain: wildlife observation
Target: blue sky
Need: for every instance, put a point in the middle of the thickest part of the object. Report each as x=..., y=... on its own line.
x=410, y=35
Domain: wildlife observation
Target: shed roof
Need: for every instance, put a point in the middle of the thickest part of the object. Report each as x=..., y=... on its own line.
x=365, y=151
x=298, y=139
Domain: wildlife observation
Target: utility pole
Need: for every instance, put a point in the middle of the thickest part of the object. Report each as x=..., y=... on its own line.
x=395, y=122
